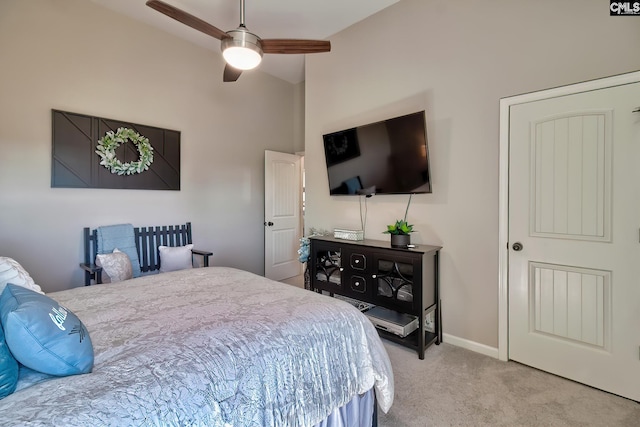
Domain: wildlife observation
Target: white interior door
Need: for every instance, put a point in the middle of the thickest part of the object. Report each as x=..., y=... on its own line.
x=574, y=210
x=282, y=214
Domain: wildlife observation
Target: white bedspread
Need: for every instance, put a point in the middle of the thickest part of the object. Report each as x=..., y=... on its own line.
x=208, y=347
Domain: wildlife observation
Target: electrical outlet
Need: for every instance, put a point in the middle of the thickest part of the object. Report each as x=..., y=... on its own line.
x=428, y=322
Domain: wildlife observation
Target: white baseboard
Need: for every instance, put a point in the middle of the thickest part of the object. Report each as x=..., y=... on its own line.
x=470, y=345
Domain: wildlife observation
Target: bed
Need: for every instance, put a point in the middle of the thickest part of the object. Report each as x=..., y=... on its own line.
x=211, y=347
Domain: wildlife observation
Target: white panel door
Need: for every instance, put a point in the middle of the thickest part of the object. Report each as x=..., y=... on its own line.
x=574, y=220
x=282, y=214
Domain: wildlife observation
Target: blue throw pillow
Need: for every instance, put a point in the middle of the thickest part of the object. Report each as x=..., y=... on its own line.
x=43, y=335
x=8, y=369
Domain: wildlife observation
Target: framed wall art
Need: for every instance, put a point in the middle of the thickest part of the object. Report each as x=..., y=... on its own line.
x=95, y=152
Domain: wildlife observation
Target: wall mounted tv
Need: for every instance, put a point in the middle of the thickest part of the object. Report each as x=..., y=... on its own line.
x=386, y=157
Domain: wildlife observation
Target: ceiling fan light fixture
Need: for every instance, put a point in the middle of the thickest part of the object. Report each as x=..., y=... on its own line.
x=242, y=50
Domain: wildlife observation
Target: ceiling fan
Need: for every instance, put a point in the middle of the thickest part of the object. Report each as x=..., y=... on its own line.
x=241, y=49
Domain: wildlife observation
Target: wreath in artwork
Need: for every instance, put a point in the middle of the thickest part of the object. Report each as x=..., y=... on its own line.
x=108, y=144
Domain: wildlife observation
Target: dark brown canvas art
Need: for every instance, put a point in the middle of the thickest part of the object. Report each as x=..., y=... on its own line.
x=75, y=164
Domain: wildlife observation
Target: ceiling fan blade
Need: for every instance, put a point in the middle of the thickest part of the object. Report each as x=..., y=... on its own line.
x=231, y=74
x=187, y=19
x=295, y=46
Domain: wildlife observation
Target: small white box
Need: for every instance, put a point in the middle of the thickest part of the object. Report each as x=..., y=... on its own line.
x=339, y=233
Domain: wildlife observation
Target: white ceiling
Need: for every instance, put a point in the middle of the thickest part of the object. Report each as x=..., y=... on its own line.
x=301, y=19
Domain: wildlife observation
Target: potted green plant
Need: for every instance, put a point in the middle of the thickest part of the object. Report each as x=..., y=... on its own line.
x=400, y=231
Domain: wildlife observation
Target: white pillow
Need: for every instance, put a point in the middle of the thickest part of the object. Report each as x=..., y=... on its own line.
x=175, y=258
x=116, y=266
x=12, y=272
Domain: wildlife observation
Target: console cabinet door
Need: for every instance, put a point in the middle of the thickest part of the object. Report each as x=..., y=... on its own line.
x=326, y=271
x=397, y=281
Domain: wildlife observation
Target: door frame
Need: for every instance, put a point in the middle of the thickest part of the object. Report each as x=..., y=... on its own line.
x=503, y=187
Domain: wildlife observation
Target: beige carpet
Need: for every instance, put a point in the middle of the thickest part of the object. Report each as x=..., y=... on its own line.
x=457, y=387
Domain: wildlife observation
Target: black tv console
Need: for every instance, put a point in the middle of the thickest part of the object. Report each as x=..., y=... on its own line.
x=404, y=280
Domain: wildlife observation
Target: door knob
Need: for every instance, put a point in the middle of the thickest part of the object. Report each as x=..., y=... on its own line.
x=269, y=224
x=517, y=246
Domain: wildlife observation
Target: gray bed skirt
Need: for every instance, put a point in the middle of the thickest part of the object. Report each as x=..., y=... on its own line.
x=361, y=411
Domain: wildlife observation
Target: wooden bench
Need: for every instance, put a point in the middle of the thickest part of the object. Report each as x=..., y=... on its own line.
x=147, y=241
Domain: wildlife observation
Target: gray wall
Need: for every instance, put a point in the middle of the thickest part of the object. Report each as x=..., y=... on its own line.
x=456, y=60
x=76, y=56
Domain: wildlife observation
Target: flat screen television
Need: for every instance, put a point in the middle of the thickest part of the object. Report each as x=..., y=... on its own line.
x=387, y=157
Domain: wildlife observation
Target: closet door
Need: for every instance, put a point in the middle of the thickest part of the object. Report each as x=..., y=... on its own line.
x=574, y=251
